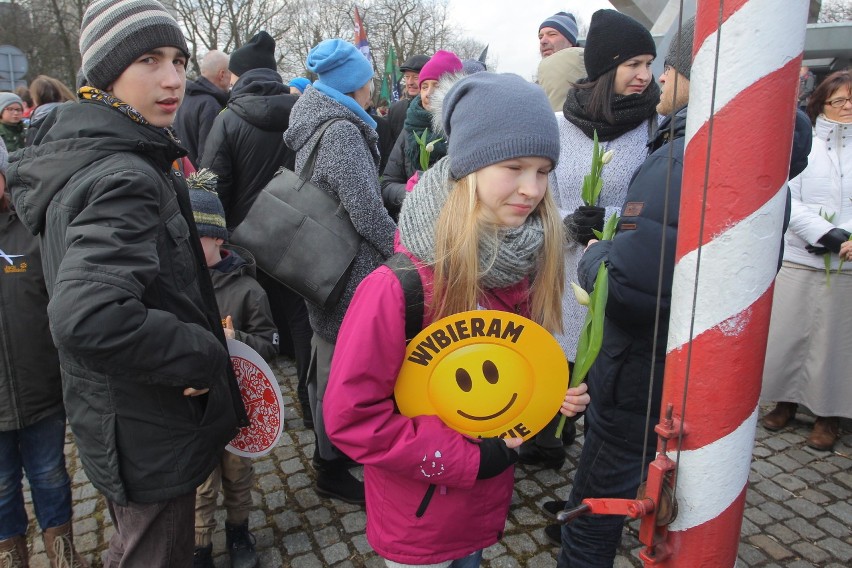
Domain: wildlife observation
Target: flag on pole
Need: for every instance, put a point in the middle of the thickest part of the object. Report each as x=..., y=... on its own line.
x=390, y=79
x=361, y=36
x=483, y=55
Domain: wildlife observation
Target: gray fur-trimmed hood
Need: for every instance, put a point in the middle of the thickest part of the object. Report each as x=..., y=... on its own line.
x=447, y=82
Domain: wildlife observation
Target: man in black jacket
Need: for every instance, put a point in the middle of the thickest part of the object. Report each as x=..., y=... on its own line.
x=410, y=69
x=245, y=148
x=205, y=98
x=615, y=452
x=147, y=381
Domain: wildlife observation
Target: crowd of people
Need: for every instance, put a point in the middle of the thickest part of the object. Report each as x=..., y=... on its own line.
x=116, y=207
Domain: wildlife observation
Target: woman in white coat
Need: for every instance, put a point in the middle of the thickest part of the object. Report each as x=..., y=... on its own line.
x=809, y=354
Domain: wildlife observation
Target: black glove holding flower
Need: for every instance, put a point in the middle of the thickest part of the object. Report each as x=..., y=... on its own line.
x=830, y=242
x=581, y=223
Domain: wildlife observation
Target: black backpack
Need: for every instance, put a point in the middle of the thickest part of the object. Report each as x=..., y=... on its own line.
x=412, y=287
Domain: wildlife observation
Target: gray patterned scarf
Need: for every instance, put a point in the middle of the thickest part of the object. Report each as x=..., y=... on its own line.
x=503, y=261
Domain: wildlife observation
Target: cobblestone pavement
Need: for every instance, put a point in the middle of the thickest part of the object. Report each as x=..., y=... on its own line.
x=798, y=513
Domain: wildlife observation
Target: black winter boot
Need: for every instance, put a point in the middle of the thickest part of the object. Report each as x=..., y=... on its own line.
x=203, y=557
x=335, y=481
x=240, y=543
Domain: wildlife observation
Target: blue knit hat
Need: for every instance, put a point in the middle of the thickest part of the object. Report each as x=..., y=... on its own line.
x=339, y=65
x=564, y=23
x=527, y=123
x=300, y=83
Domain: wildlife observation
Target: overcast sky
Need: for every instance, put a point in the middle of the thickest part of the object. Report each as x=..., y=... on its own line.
x=510, y=27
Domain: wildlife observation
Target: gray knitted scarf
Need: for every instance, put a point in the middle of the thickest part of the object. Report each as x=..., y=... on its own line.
x=503, y=261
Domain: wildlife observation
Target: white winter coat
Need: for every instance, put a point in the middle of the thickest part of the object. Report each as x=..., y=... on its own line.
x=824, y=187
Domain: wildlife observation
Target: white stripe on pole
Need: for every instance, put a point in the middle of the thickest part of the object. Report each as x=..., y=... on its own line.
x=747, y=54
x=710, y=478
x=753, y=270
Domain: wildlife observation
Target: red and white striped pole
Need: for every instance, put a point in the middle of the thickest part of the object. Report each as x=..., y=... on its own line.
x=740, y=121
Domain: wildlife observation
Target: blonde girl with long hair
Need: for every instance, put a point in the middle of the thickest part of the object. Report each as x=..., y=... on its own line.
x=482, y=230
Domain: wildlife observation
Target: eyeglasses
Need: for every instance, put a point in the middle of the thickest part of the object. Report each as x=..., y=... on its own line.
x=839, y=103
x=13, y=109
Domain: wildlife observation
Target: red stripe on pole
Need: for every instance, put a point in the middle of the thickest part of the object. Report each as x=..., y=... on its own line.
x=737, y=158
x=715, y=545
x=707, y=26
x=723, y=371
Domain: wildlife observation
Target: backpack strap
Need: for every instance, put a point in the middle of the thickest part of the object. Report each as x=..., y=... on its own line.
x=412, y=287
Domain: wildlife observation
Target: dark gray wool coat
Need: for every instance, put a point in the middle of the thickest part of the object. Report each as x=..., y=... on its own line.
x=347, y=167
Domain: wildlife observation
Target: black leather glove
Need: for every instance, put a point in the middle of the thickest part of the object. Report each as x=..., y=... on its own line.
x=581, y=222
x=494, y=457
x=833, y=239
x=819, y=251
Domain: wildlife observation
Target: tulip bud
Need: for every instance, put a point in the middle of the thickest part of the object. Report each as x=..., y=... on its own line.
x=430, y=147
x=581, y=295
x=607, y=157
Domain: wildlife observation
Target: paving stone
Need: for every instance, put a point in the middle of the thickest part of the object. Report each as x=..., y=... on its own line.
x=841, y=493
x=296, y=543
x=804, y=528
x=811, y=553
x=749, y=554
x=837, y=548
x=275, y=501
x=327, y=536
x=805, y=508
x=770, y=546
x=782, y=533
x=308, y=561
x=815, y=496
x=789, y=482
x=335, y=553
x=361, y=545
x=776, y=511
x=287, y=520
x=833, y=527
x=520, y=543
x=318, y=517
x=841, y=510
x=354, y=522
x=772, y=490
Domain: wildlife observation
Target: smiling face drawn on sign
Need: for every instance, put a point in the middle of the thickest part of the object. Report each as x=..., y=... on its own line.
x=484, y=373
x=479, y=387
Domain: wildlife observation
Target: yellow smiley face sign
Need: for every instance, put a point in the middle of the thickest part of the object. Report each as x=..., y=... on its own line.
x=485, y=374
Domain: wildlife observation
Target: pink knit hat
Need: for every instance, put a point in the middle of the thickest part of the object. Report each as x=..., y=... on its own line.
x=442, y=62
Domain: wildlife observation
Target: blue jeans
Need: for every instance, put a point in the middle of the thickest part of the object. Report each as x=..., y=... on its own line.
x=604, y=470
x=38, y=449
x=472, y=560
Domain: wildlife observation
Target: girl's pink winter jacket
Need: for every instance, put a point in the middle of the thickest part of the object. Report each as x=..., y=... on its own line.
x=406, y=521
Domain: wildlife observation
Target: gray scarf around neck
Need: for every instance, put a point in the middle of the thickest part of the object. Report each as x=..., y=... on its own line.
x=503, y=261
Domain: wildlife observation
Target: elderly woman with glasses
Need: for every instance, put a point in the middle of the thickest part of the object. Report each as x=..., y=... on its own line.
x=809, y=355
x=11, y=121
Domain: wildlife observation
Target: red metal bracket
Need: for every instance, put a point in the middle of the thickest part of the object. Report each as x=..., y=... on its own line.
x=654, y=503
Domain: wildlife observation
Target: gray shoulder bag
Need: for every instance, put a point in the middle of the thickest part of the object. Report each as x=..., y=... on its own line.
x=300, y=235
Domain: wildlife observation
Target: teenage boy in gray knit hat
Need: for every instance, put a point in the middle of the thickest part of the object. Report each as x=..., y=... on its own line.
x=148, y=386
